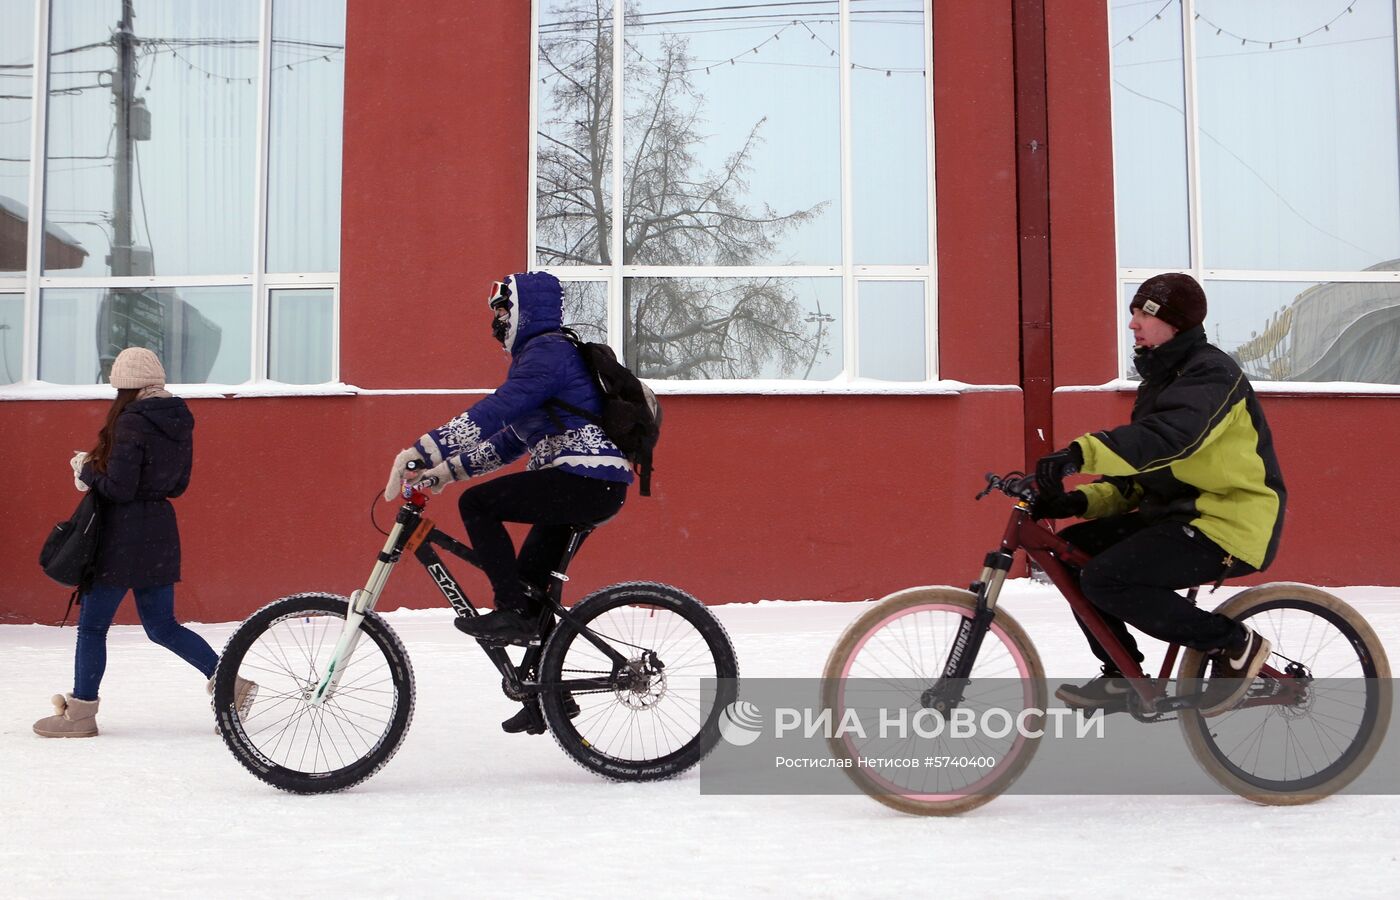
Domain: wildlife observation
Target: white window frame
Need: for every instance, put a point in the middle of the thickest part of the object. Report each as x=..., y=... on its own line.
x=851, y=275
x=1196, y=243
x=33, y=282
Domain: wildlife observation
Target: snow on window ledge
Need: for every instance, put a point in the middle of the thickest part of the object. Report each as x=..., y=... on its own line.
x=1321, y=388
x=39, y=390
x=42, y=390
x=845, y=387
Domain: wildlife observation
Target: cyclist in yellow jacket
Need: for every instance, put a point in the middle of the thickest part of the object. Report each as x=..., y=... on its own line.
x=1191, y=493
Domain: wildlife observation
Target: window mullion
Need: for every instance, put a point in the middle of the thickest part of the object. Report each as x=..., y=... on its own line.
x=38, y=168
x=1193, y=161
x=261, y=319
x=532, y=195
x=616, y=325
x=931, y=278
x=850, y=333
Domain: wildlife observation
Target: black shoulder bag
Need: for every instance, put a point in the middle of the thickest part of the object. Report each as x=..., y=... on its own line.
x=70, y=552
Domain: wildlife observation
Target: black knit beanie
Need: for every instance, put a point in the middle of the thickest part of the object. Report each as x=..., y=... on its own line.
x=1175, y=298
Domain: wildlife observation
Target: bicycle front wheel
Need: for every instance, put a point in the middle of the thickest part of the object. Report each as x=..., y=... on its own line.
x=655, y=720
x=1302, y=737
x=899, y=647
x=278, y=735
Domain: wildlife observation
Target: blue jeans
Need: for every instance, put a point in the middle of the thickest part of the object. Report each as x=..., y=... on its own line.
x=156, y=606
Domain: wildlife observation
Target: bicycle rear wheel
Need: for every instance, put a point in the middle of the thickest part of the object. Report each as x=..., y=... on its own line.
x=1300, y=751
x=900, y=646
x=284, y=740
x=655, y=721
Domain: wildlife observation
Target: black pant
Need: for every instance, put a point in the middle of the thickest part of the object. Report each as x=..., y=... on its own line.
x=549, y=499
x=1135, y=574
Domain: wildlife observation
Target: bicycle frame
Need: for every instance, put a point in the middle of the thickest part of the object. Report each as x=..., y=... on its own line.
x=1054, y=555
x=416, y=534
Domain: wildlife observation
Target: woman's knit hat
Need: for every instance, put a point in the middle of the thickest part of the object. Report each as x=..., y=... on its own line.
x=137, y=367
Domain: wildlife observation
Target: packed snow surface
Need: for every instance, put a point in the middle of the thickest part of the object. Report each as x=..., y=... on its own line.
x=157, y=805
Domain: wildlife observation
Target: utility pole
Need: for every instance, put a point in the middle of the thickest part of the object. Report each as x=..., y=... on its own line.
x=130, y=317
x=123, y=97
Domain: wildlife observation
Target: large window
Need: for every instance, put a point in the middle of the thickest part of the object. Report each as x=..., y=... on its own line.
x=740, y=191
x=170, y=178
x=1256, y=147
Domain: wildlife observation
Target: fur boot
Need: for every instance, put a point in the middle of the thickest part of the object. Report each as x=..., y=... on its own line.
x=244, y=693
x=72, y=718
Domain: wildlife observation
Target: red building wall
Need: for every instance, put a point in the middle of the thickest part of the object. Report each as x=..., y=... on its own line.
x=757, y=496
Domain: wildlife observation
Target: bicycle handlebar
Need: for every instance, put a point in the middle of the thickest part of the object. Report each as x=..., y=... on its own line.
x=1015, y=484
x=420, y=486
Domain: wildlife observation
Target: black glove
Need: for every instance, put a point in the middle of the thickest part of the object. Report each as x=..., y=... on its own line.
x=1052, y=468
x=1064, y=505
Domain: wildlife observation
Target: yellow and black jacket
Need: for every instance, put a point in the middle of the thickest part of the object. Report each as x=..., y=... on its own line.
x=1197, y=450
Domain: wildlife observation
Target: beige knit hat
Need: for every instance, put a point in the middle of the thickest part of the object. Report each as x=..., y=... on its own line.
x=137, y=367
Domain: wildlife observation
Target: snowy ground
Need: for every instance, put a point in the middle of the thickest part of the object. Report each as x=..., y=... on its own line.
x=156, y=805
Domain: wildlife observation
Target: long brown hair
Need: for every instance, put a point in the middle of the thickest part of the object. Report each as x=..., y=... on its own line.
x=100, y=453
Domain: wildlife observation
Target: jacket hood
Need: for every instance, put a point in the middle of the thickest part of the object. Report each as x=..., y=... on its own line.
x=169, y=415
x=539, y=308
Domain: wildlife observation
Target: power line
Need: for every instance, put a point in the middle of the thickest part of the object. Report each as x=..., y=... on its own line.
x=776, y=36
x=1262, y=180
x=1222, y=31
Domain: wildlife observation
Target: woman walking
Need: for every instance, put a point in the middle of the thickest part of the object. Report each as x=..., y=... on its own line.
x=142, y=458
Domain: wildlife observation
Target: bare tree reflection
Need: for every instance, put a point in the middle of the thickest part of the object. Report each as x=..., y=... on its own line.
x=675, y=211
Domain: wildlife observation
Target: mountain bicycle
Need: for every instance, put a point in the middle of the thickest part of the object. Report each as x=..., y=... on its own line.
x=1294, y=737
x=617, y=676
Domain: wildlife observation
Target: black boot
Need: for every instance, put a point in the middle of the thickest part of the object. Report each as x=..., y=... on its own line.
x=527, y=720
x=531, y=721
x=504, y=626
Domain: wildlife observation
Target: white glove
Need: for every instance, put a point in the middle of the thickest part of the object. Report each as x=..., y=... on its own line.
x=396, y=474
x=440, y=474
x=79, y=459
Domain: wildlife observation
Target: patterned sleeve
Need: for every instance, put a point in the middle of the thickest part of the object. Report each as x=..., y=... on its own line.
x=501, y=448
x=480, y=439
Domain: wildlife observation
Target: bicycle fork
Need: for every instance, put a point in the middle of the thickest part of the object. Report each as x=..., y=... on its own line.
x=947, y=692
x=361, y=603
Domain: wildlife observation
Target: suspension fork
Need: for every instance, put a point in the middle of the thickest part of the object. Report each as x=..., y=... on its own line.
x=361, y=603
x=972, y=630
x=947, y=691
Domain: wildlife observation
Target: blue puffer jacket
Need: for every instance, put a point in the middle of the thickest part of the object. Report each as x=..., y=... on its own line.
x=544, y=365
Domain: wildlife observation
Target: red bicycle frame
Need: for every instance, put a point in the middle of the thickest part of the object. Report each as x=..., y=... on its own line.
x=1054, y=554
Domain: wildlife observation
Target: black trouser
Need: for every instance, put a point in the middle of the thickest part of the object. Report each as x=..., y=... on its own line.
x=1135, y=574
x=549, y=499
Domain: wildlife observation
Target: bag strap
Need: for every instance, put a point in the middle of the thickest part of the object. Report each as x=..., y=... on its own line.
x=74, y=597
x=569, y=407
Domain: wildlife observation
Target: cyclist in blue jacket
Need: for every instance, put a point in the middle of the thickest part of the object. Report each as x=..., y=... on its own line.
x=575, y=474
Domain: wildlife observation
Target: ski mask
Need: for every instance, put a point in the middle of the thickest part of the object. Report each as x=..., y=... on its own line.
x=499, y=301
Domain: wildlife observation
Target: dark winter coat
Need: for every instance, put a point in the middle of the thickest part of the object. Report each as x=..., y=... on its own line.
x=152, y=452
x=544, y=365
x=1197, y=450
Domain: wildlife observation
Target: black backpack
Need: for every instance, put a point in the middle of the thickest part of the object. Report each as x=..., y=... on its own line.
x=631, y=416
x=70, y=551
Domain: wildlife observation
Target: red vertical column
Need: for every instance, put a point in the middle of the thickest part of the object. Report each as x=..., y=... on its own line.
x=1033, y=224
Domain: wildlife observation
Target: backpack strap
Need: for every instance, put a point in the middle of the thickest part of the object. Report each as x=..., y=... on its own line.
x=554, y=403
